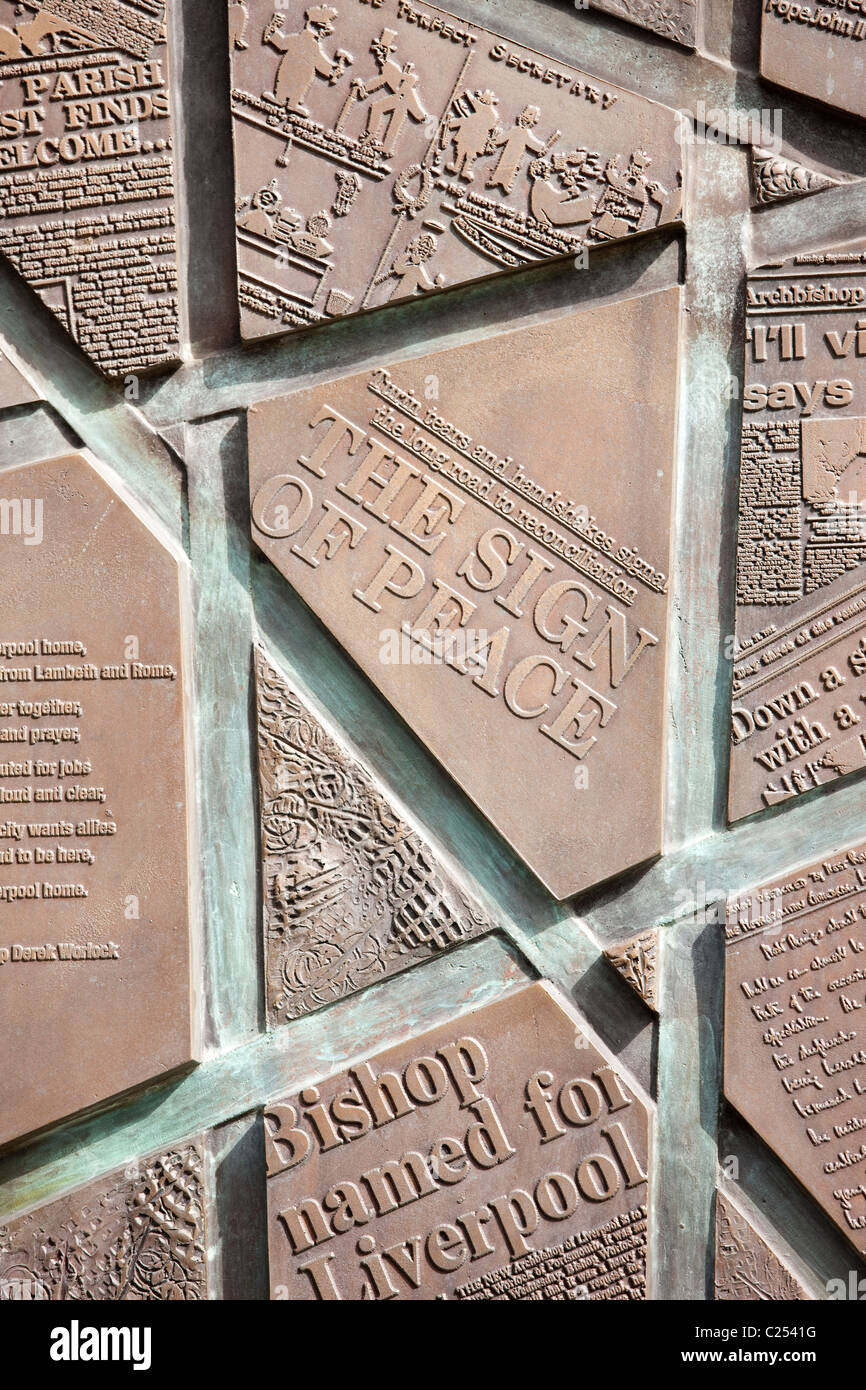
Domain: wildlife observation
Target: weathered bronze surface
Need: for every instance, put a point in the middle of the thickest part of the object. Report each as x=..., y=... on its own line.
x=135, y=1234
x=351, y=893
x=746, y=1267
x=385, y=152
x=801, y=561
x=486, y=532
x=636, y=961
x=672, y=19
x=816, y=50
x=87, y=173
x=525, y=1144
x=795, y=1041
x=95, y=947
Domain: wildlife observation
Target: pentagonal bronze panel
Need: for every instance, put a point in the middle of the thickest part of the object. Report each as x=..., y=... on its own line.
x=385, y=152
x=95, y=948
x=747, y=1268
x=138, y=1234
x=352, y=894
x=800, y=651
x=795, y=1040
x=501, y=1156
x=479, y=531
x=87, y=172
x=816, y=50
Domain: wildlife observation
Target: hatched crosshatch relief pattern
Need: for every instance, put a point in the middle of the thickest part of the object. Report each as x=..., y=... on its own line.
x=138, y=1234
x=334, y=845
x=747, y=1268
x=352, y=894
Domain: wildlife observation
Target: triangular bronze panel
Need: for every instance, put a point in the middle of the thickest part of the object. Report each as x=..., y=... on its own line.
x=635, y=960
x=14, y=388
x=352, y=894
x=137, y=1234
x=746, y=1267
x=776, y=179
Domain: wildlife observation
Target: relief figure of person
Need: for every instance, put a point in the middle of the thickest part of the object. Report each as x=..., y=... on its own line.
x=304, y=58
x=409, y=268
x=515, y=144
x=400, y=99
x=471, y=131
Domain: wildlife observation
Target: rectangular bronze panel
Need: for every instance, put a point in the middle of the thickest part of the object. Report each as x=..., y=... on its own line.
x=795, y=1040
x=385, y=152
x=87, y=172
x=801, y=552
x=486, y=530
x=501, y=1156
x=138, y=1234
x=95, y=944
x=817, y=50
x=352, y=894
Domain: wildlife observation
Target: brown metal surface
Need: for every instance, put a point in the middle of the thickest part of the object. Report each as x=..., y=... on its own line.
x=95, y=946
x=486, y=530
x=636, y=961
x=676, y=20
x=800, y=651
x=501, y=1156
x=14, y=389
x=747, y=1269
x=816, y=50
x=134, y=1235
x=382, y=153
x=776, y=178
x=87, y=172
x=351, y=893
x=795, y=1040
